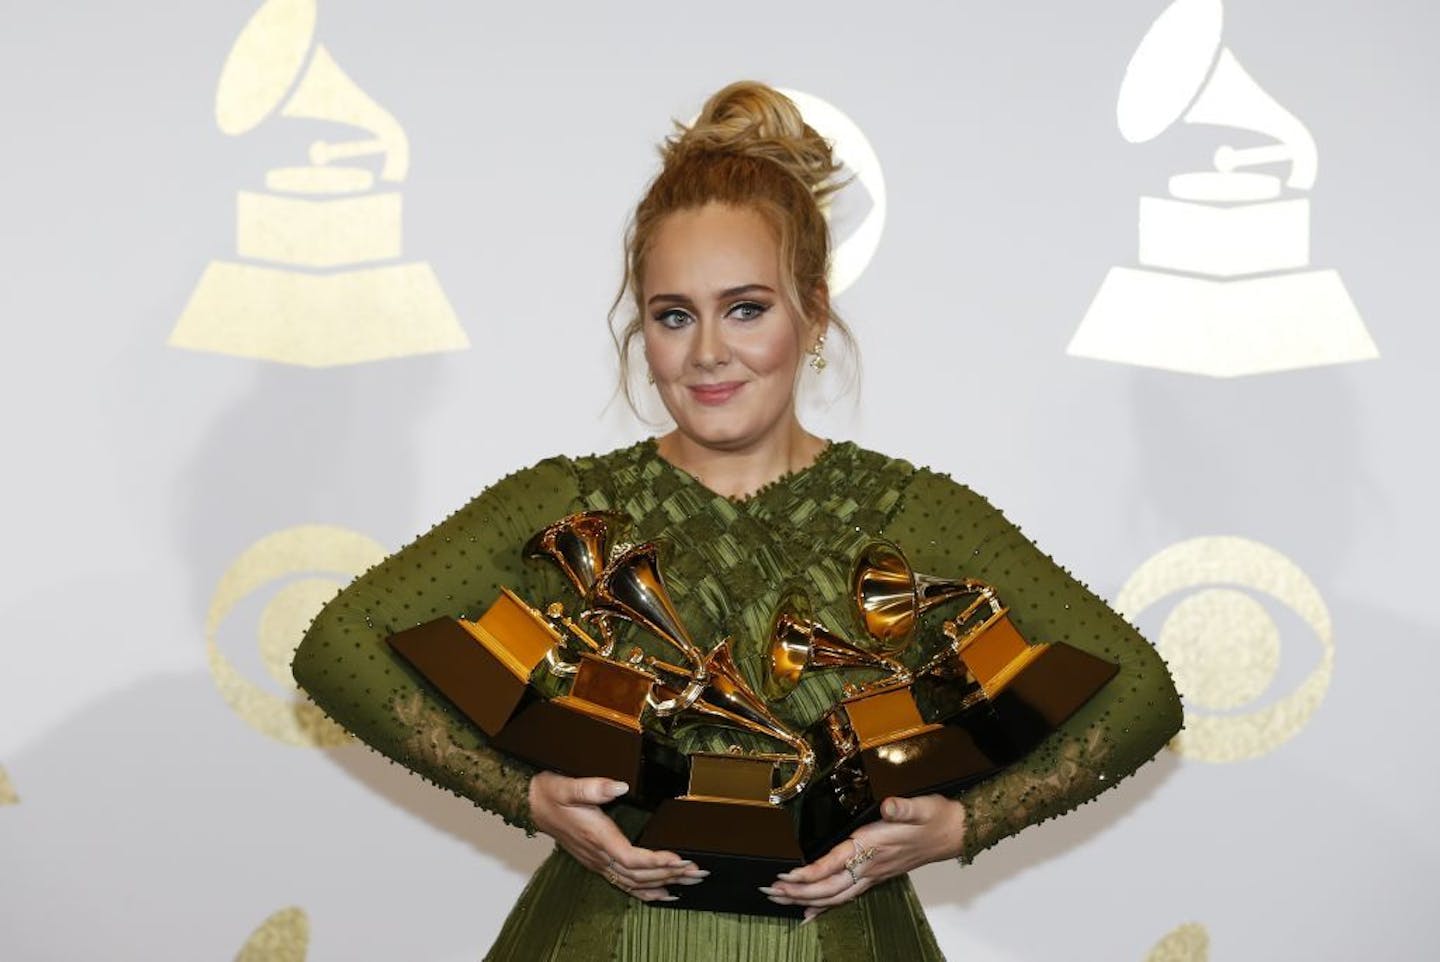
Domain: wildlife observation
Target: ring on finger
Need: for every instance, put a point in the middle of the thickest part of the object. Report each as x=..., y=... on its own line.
x=860, y=858
x=861, y=852
x=614, y=879
x=854, y=876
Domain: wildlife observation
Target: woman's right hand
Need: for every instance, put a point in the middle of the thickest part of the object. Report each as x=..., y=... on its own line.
x=568, y=810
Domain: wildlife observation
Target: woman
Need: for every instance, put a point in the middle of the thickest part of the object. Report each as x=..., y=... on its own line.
x=725, y=265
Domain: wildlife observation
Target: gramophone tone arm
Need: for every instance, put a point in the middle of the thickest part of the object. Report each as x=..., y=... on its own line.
x=1302, y=164
x=602, y=625
x=984, y=595
x=804, y=768
x=666, y=700
x=569, y=629
x=572, y=632
x=324, y=152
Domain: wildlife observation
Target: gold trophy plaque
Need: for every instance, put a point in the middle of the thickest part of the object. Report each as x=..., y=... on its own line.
x=727, y=823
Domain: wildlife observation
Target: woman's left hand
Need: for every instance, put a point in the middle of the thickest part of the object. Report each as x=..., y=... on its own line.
x=911, y=832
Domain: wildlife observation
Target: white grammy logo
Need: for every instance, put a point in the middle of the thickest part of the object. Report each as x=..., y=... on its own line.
x=1224, y=287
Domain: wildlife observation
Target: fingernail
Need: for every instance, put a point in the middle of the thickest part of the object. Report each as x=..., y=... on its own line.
x=767, y=890
x=785, y=877
x=689, y=880
x=669, y=898
x=807, y=919
x=618, y=788
x=698, y=873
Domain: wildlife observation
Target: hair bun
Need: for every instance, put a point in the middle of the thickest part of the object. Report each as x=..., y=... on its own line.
x=755, y=120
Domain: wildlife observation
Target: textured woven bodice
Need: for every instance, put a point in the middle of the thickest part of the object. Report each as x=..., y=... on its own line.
x=726, y=562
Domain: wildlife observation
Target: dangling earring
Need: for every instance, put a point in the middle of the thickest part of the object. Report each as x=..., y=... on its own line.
x=650, y=375
x=817, y=360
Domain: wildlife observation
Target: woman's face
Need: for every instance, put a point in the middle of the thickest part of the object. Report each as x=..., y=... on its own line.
x=722, y=344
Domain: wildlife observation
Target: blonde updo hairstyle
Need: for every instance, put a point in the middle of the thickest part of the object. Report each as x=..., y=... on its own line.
x=749, y=148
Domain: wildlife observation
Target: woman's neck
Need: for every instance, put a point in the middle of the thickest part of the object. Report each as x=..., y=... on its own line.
x=742, y=471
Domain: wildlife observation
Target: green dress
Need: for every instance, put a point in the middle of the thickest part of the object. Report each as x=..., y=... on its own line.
x=726, y=564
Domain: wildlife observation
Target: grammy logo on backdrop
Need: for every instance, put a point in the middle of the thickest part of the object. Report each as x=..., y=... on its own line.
x=319, y=280
x=1224, y=287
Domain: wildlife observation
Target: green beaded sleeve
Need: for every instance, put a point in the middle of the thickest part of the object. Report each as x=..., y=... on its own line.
x=947, y=529
x=454, y=570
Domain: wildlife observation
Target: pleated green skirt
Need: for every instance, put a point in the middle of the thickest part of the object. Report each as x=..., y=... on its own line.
x=569, y=914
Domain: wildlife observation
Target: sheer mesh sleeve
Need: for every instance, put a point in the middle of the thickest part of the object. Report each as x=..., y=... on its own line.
x=948, y=530
x=455, y=569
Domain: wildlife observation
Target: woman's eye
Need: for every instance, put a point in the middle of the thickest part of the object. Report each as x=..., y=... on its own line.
x=748, y=310
x=672, y=319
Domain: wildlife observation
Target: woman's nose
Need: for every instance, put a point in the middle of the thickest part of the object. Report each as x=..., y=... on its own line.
x=709, y=348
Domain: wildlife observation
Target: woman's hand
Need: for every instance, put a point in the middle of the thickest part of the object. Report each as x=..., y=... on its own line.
x=911, y=832
x=568, y=810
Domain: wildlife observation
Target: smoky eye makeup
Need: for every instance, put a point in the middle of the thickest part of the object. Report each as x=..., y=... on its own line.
x=757, y=309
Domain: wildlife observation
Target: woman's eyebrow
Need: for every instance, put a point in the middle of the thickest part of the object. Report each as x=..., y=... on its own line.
x=728, y=292
x=743, y=289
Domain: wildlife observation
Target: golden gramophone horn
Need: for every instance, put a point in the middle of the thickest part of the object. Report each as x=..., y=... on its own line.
x=631, y=587
x=891, y=596
x=798, y=642
x=727, y=699
x=579, y=545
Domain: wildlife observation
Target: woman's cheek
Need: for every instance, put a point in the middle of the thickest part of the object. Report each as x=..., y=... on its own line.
x=767, y=357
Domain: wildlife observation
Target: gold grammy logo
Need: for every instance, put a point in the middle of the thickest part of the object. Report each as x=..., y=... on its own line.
x=7, y=791
x=283, y=937
x=1222, y=646
x=302, y=550
x=1224, y=287
x=1186, y=943
x=319, y=281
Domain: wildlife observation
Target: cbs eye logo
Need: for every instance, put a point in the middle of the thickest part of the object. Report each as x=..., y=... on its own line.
x=274, y=562
x=1223, y=646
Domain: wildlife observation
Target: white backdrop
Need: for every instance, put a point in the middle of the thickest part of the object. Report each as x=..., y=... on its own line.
x=193, y=463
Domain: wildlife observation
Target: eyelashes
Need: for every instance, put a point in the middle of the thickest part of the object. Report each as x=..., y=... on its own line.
x=676, y=318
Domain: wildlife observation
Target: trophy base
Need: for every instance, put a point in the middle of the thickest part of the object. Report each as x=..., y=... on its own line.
x=1050, y=689
x=743, y=845
x=556, y=735
x=475, y=679
x=849, y=794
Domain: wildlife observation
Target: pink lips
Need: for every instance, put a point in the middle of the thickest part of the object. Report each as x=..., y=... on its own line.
x=715, y=393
